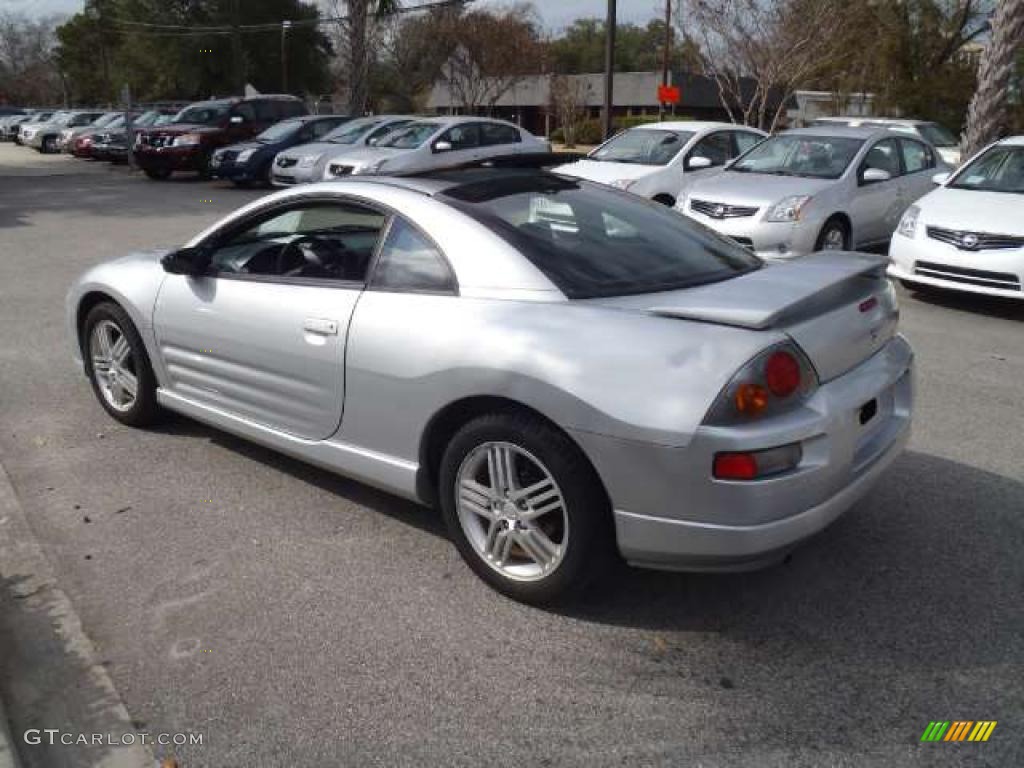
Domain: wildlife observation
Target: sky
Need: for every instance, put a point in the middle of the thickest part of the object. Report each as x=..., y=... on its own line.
x=556, y=14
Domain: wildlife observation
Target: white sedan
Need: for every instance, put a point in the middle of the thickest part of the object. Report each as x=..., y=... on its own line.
x=657, y=160
x=968, y=235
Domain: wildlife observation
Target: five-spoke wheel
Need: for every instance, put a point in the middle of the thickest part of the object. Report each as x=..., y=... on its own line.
x=117, y=365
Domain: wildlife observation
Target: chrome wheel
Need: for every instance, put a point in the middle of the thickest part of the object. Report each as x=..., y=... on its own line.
x=834, y=239
x=512, y=511
x=113, y=365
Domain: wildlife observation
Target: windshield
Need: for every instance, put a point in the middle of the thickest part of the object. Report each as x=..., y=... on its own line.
x=936, y=135
x=411, y=137
x=591, y=241
x=105, y=119
x=203, y=114
x=350, y=133
x=643, y=146
x=1000, y=169
x=279, y=131
x=813, y=157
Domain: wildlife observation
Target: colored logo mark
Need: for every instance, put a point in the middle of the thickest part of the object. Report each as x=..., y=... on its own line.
x=959, y=730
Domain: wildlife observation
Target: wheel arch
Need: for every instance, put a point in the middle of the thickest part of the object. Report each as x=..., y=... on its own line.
x=446, y=422
x=665, y=199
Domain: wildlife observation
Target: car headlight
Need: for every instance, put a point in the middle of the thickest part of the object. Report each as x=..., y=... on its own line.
x=188, y=140
x=623, y=183
x=375, y=167
x=908, y=224
x=244, y=155
x=787, y=209
x=308, y=161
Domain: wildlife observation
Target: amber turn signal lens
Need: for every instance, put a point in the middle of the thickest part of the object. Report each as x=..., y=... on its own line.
x=751, y=399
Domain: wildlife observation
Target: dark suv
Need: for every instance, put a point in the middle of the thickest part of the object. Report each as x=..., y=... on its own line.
x=186, y=143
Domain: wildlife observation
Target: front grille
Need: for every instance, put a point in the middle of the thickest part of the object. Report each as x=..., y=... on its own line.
x=224, y=157
x=157, y=140
x=286, y=162
x=744, y=242
x=283, y=178
x=340, y=170
x=975, y=241
x=1004, y=280
x=721, y=210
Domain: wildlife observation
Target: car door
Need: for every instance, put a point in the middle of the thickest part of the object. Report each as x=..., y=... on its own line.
x=499, y=139
x=261, y=334
x=918, y=168
x=877, y=205
x=464, y=139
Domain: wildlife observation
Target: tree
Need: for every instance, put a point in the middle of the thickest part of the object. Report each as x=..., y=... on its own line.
x=492, y=51
x=360, y=31
x=29, y=70
x=414, y=48
x=988, y=114
x=581, y=48
x=569, y=104
x=759, y=53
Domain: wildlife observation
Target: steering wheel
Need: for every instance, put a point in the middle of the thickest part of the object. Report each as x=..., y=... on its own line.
x=317, y=256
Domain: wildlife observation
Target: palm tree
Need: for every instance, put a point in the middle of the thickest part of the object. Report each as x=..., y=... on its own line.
x=987, y=115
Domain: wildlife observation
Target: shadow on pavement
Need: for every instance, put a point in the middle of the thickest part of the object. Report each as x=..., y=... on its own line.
x=990, y=306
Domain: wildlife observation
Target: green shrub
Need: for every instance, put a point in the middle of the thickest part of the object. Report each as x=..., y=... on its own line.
x=591, y=131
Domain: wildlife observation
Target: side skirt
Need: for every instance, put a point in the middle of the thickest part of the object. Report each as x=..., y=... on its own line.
x=389, y=473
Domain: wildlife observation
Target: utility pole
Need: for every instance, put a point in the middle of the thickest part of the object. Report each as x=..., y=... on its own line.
x=666, y=54
x=609, y=68
x=285, y=26
x=236, y=49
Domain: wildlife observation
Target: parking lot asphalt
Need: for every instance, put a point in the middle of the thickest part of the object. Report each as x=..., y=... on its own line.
x=296, y=618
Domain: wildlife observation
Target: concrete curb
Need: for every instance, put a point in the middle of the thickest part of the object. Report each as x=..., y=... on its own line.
x=49, y=674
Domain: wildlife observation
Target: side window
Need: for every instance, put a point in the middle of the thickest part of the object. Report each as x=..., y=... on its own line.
x=883, y=156
x=322, y=128
x=385, y=130
x=745, y=141
x=408, y=261
x=916, y=156
x=464, y=136
x=497, y=133
x=246, y=110
x=716, y=147
x=265, y=111
x=327, y=240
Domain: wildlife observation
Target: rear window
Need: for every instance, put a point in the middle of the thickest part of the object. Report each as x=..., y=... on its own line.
x=591, y=241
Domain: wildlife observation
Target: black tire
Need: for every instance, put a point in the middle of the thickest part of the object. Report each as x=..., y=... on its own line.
x=145, y=410
x=833, y=225
x=49, y=145
x=665, y=200
x=157, y=174
x=591, y=541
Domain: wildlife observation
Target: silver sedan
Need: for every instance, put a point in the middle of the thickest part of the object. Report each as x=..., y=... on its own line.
x=824, y=188
x=571, y=373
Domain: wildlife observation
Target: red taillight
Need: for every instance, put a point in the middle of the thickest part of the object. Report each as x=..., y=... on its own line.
x=782, y=374
x=735, y=466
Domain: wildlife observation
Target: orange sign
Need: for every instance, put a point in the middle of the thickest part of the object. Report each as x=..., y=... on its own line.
x=668, y=94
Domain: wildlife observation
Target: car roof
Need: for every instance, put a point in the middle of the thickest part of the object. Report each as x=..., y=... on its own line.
x=1013, y=141
x=847, y=131
x=688, y=125
x=459, y=119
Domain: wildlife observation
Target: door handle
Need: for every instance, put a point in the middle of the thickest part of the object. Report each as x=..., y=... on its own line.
x=320, y=325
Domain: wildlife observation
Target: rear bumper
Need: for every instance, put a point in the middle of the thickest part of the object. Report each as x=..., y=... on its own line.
x=931, y=262
x=671, y=513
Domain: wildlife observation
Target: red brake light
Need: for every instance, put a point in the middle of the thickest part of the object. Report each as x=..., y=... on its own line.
x=782, y=373
x=735, y=466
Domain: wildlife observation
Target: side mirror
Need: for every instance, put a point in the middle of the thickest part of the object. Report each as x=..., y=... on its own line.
x=442, y=146
x=236, y=120
x=875, y=175
x=186, y=261
x=698, y=162
x=941, y=178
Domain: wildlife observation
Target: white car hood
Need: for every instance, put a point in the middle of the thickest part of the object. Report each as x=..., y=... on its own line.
x=369, y=155
x=316, y=148
x=605, y=172
x=758, y=189
x=964, y=209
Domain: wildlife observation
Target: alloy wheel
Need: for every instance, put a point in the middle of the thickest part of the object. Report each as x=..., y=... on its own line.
x=834, y=239
x=113, y=365
x=512, y=511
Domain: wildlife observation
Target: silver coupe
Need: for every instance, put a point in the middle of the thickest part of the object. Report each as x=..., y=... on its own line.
x=568, y=371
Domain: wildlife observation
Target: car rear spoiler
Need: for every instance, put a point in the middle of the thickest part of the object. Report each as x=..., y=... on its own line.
x=774, y=295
